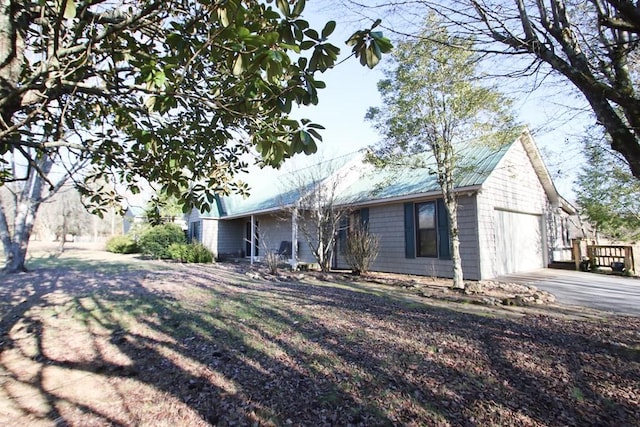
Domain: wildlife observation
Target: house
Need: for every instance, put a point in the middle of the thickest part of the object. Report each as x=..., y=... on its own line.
x=137, y=215
x=511, y=218
x=132, y=216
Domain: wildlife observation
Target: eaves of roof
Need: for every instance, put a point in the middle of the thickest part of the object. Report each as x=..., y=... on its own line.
x=393, y=183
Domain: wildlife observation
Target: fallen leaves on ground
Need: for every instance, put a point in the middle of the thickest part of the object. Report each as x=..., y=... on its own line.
x=170, y=344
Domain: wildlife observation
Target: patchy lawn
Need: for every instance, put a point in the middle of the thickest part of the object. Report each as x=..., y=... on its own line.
x=96, y=339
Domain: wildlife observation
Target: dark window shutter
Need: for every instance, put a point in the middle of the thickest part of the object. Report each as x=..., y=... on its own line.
x=444, y=245
x=409, y=231
x=364, y=218
x=343, y=228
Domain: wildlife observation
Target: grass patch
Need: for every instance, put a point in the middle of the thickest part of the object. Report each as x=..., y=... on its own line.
x=577, y=394
x=82, y=265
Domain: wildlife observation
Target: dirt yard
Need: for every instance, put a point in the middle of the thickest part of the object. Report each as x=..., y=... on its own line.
x=90, y=338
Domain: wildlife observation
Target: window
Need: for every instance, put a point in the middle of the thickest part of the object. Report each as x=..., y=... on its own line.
x=194, y=234
x=426, y=230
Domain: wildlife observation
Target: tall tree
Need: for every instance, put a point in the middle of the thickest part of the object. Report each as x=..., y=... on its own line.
x=607, y=193
x=173, y=91
x=433, y=105
x=593, y=45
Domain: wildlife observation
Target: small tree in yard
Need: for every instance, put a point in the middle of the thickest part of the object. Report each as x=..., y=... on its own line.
x=271, y=258
x=433, y=102
x=361, y=249
x=588, y=47
x=316, y=210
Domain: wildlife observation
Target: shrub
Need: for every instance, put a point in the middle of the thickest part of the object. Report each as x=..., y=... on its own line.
x=178, y=251
x=361, y=249
x=122, y=245
x=155, y=242
x=272, y=260
x=194, y=252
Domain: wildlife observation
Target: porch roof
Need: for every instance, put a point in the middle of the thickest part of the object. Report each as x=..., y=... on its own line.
x=271, y=190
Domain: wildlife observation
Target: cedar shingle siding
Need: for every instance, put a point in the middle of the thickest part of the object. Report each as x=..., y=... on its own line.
x=512, y=187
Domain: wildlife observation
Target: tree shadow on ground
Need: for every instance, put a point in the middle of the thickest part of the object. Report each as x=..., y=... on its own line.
x=124, y=345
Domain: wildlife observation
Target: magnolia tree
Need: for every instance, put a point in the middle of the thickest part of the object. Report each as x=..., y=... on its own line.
x=104, y=92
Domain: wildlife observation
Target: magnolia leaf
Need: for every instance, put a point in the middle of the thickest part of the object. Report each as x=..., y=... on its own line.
x=384, y=44
x=238, y=67
x=283, y=5
x=298, y=8
x=312, y=34
x=69, y=9
x=370, y=57
x=223, y=16
x=150, y=103
x=328, y=29
x=316, y=134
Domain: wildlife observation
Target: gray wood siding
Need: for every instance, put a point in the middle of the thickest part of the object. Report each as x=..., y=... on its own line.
x=275, y=229
x=194, y=215
x=512, y=186
x=305, y=254
x=231, y=236
x=387, y=222
x=209, y=234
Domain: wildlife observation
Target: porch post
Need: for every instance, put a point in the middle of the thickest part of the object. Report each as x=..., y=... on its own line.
x=577, y=253
x=294, y=239
x=253, y=238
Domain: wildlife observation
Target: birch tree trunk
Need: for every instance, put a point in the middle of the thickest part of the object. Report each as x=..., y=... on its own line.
x=451, y=204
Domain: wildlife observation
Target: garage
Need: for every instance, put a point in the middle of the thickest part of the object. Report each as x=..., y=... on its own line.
x=519, y=242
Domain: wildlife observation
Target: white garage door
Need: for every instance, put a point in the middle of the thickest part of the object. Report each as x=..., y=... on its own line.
x=519, y=242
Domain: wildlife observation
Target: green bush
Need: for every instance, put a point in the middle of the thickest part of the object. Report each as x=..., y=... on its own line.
x=194, y=252
x=178, y=251
x=155, y=242
x=122, y=245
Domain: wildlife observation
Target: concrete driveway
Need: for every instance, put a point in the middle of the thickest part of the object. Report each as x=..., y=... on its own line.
x=611, y=293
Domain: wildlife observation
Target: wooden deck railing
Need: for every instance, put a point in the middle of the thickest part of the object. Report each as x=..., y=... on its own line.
x=618, y=258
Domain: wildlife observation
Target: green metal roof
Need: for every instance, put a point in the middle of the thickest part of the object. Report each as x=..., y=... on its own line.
x=271, y=191
x=476, y=162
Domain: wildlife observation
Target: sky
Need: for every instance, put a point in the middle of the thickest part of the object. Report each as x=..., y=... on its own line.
x=352, y=89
